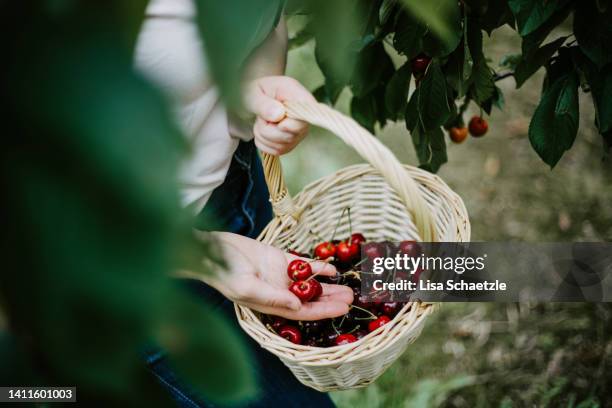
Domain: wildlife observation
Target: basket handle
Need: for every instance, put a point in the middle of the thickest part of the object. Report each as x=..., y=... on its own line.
x=368, y=147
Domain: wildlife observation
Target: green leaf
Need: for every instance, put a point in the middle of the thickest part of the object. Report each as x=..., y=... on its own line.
x=408, y=38
x=532, y=41
x=396, y=92
x=530, y=63
x=233, y=29
x=373, y=66
x=430, y=147
x=496, y=15
x=437, y=45
x=593, y=30
x=600, y=84
x=363, y=110
x=554, y=124
x=441, y=17
x=387, y=8
x=432, y=98
x=482, y=83
x=531, y=14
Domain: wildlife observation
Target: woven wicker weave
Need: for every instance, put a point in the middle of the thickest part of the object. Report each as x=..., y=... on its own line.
x=388, y=201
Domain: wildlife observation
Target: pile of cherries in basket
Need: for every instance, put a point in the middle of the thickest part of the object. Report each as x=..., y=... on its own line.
x=364, y=316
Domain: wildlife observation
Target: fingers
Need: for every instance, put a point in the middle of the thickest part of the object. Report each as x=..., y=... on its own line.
x=271, y=139
x=338, y=293
x=293, y=126
x=263, y=294
x=320, y=309
x=264, y=105
x=323, y=268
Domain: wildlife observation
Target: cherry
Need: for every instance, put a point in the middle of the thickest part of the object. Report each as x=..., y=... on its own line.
x=325, y=250
x=313, y=326
x=330, y=337
x=478, y=126
x=360, y=334
x=291, y=333
x=410, y=248
x=345, y=339
x=346, y=252
x=419, y=64
x=314, y=342
x=458, y=134
x=305, y=290
x=380, y=322
x=318, y=289
x=299, y=269
x=373, y=250
x=357, y=238
x=391, y=308
x=277, y=322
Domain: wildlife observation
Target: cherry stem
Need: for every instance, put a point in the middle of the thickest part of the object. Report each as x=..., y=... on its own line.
x=350, y=226
x=365, y=310
x=360, y=262
x=334, y=327
x=338, y=223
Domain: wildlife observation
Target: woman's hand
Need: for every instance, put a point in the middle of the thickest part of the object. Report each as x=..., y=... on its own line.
x=256, y=277
x=274, y=132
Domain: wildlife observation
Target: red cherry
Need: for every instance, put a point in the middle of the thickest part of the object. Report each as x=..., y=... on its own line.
x=325, y=250
x=278, y=322
x=318, y=288
x=345, y=339
x=357, y=238
x=299, y=269
x=346, y=252
x=391, y=308
x=380, y=322
x=373, y=250
x=410, y=248
x=458, y=134
x=478, y=126
x=305, y=290
x=419, y=64
x=291, y=333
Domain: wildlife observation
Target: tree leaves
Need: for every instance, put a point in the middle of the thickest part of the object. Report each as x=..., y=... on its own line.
x=554, y=124
x=430, y=148
x=593, y=30
x=532, y=61
x=443, y=21
x=482, y=83
x=430, y=99
x=396, y=93
x=408, y=38
x=531, y=14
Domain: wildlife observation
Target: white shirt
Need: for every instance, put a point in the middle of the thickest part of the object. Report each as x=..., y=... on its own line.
x=169, y=51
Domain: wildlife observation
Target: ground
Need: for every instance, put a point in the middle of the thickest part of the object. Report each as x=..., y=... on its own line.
x=496, y=354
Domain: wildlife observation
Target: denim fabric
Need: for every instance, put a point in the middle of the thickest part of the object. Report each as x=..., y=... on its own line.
x=240, y=205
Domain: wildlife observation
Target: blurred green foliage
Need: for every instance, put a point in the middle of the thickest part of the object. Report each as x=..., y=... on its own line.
x=94, y=226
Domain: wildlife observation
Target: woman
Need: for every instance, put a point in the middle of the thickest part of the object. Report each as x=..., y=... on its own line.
x=223, y=181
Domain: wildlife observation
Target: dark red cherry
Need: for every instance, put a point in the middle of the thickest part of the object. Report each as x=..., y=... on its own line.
x=391, y=308
x=291, y=333
x=410, y=248
x=360, y=334
x=357, y=238
x=345, y=339
x=373, y=250
x=346, y=252
x=380, y=322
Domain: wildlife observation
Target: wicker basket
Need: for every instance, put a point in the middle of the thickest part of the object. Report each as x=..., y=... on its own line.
x=388, y=201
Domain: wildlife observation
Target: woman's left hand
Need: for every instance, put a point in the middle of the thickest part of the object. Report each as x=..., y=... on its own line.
x=274, y=132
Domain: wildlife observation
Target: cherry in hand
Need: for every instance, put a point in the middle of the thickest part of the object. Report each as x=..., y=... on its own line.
x=299, y=269
x=306, y=290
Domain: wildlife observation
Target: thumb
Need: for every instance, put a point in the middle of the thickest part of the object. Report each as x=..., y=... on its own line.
x=267, y=108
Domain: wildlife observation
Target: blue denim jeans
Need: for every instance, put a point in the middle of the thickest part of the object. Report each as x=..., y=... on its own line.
x=240, y=205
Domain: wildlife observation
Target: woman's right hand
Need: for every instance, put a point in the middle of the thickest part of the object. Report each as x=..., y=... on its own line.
x=256, y=277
